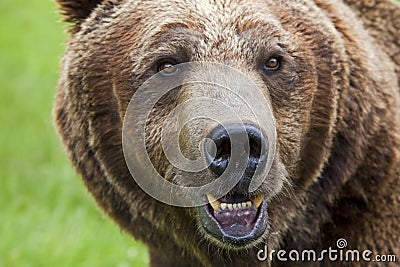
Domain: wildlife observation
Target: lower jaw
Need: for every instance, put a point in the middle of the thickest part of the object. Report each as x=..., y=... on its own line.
x=232, y=239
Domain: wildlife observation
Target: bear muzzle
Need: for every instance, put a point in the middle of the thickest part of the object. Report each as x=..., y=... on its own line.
x=237, y=218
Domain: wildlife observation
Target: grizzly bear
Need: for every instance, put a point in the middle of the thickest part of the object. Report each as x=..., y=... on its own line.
x=323, y=145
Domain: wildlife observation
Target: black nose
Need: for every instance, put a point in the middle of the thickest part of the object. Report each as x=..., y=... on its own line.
x=223, y=146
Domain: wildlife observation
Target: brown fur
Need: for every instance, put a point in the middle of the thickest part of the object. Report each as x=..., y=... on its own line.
x=336, y=104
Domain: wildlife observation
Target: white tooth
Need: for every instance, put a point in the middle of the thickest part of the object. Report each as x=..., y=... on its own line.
x=257, y=201
x=213, y=202
x=229, y=206
x=223, y=206
x=248, y=204
x=234, y=206
x=239, y=205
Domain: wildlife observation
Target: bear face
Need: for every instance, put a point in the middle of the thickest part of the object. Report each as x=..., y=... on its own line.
x=315, y=73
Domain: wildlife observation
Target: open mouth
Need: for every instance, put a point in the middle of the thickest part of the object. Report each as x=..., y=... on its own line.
x=235, y=219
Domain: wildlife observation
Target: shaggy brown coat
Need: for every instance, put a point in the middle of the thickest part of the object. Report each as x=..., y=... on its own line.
x=336, y=105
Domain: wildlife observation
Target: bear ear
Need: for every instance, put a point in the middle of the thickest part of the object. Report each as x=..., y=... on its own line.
x=76, y=11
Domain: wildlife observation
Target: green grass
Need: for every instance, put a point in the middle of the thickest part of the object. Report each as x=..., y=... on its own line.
x=47, y=217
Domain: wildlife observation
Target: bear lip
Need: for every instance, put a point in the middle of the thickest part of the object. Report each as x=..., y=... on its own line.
x=239, y=225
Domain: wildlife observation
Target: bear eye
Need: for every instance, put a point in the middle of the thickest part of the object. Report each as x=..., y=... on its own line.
x=272, y=64
x=167, y=68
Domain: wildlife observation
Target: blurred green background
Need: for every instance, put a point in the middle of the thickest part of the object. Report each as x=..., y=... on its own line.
x=47, y=218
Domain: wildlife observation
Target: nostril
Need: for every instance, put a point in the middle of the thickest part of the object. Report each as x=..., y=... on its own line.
x=218, y=150
x=221, y=148
x=255, y=148
x=255, y=142
x=224, y=149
